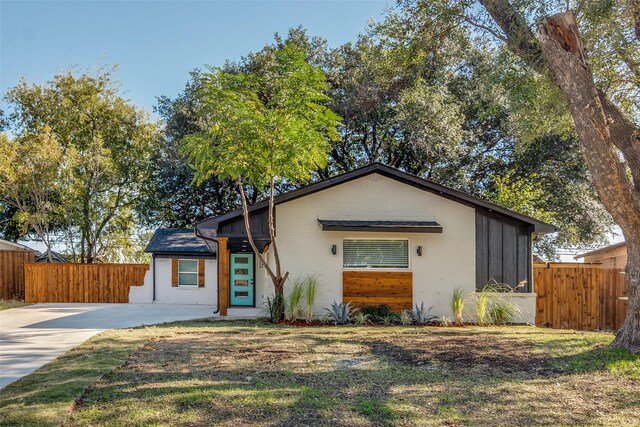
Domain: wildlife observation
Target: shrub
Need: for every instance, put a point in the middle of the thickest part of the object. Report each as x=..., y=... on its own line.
x=376, y=312
x=276, y=306
x=482, y=305
x=503, y=311
x=295, y=298
x=389, y=319
x=361, y=318
x=493, y=307
x=405, y=318
x=421, y=316
x=310, y=295
x=457, y=305
x=340, y=313
x=445, y=321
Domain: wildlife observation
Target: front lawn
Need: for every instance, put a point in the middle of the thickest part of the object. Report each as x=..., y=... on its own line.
x=6, y=304
x=253, y=373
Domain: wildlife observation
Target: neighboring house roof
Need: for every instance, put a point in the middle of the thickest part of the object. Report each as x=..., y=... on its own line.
x=55, y=257
x=387, y=171
x=177, y=241
x=602, y=249
x=16, y=246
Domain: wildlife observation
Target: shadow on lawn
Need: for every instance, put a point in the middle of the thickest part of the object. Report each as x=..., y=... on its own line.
x=453, y=378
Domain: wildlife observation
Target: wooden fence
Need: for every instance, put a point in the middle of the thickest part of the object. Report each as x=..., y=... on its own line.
x=12, y=273
x=579, y=296
x=81, y=282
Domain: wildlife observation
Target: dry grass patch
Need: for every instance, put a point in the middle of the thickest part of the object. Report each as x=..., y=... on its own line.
x=205, y=373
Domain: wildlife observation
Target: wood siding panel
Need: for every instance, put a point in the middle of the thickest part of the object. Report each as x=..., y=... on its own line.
x=12, y=273
x=579, y=296
x=503, y=251
x=201, y=273
x=364, y=288
x=83, y=283
x=174, y=272
x=224, y=268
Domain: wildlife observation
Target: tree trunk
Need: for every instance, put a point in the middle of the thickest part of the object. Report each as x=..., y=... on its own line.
x=628, y=336
x=276, y=278
x=602, y=131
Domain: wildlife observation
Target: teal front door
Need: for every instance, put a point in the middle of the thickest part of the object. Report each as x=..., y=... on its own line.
x=242, y=286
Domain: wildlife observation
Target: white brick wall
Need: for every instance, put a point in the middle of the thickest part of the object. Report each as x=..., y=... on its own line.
x=166, y=294
x=447, y=261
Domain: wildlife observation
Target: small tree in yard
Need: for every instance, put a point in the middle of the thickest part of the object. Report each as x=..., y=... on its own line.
x=262, y=129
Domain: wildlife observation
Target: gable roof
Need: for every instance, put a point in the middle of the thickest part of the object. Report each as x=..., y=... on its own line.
x=17, y=246
x=55, y=257
x=177, y=241
x=602, y=249
x=393, y=173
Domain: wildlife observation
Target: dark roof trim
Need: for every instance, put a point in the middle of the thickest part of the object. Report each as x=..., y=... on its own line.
x=387, y=171
x=185, y=255
x=600, y=250
x=177, y=241
x=381, y=226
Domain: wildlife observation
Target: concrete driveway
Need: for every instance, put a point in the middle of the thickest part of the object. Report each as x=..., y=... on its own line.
x=32, y=336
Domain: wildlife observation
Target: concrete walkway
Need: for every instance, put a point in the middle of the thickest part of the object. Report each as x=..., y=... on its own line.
x=32, y=336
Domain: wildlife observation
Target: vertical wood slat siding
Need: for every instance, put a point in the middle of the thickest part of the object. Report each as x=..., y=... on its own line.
x=174, y=272
x=12, y=273
x=503, y=252
x=201, y=273
x=224, y=276
x=370, y=288
x=579, y=296
x=85, y=283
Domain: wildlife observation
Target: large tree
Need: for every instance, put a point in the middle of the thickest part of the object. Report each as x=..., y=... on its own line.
x=261, y=128
x=419, y=92
x=106, y=143
x=424, y=100
x=172, y=199
x=591, y=78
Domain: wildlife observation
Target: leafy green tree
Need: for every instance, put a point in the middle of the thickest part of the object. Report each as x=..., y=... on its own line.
x=576, y=73
x=262, y=129
x=106, y=143
x=172, y=199
x=29, y=170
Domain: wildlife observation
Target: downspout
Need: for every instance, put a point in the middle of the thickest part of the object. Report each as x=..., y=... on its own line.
x=153, y=260
x=198, y=234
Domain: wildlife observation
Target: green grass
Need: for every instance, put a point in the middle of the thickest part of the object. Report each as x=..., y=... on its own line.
x=6, y=304
x=245, y=373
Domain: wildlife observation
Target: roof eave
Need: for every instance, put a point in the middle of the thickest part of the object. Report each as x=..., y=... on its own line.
x=405, y=177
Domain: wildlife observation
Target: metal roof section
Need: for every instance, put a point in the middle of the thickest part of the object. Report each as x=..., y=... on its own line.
x=382, y=226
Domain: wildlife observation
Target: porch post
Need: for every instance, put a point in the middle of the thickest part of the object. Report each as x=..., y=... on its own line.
x=223, y=265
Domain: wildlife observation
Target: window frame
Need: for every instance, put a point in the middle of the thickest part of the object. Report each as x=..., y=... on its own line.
x=195, y=285
x=369, y=268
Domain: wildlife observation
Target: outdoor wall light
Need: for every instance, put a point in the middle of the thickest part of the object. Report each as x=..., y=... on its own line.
x=334, y=249
x=419, y=251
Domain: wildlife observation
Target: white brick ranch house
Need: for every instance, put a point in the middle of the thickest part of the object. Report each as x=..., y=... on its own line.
x=371, y=236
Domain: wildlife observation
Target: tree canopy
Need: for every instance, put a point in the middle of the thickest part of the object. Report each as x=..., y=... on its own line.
x=105, y=146
x=263, y=127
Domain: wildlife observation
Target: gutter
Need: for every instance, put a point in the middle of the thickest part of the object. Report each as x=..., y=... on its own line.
x=198, y=234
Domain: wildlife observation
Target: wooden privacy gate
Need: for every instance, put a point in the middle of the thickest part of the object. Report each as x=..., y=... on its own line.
x=367, y=288
x=12, y=273
x=579, y=296
x=85, y=283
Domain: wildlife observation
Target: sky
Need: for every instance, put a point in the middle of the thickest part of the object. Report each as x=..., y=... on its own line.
x=156, y=43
